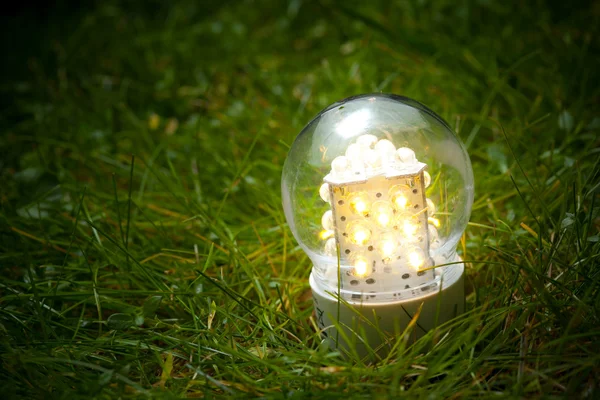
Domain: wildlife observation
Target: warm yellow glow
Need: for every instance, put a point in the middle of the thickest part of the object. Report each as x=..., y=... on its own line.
x=359, y=204
x=383, y=219
x=387, y=248
x=415, y=260
x=401, y=202
x=360, y=237
x=325, y=234
x=434, y=221
x=400, y=195
x=358, y=233
x=387, y=245
x=360, y=267
x=409, y=228
x=383, y=213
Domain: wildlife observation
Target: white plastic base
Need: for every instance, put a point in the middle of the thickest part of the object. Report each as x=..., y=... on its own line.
x=379, y=324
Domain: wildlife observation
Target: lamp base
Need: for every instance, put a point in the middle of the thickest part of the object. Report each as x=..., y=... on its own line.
x=370, y=329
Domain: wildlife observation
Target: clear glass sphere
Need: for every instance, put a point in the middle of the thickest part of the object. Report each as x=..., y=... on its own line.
x=378, y=189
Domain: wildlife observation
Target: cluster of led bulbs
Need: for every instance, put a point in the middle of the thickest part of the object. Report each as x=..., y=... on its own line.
x=379, y=224
x=386, y=252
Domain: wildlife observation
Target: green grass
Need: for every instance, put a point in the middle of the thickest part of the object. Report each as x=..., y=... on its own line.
x=143, y=247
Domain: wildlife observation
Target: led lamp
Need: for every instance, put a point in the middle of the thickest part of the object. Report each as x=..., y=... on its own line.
x=377, y=190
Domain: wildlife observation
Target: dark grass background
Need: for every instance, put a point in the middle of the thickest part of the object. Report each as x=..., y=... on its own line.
x=143, y=248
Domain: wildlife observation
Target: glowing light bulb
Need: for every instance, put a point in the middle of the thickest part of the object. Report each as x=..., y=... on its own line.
x=409, y=228
x=360, y=203
x=360, y=207
x=360, y=237
x=387, y=248
x=358, y=233
x=384, y=219
x=383, y=213
x=399, y=194
x=415, y=259
x=401, y=202
x=387, y=245
x=361, y=266
x=380, y=252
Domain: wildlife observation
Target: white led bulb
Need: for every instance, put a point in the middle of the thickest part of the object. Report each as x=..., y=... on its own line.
x=382, y=184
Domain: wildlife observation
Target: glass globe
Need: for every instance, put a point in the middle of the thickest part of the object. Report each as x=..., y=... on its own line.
x=377, y=189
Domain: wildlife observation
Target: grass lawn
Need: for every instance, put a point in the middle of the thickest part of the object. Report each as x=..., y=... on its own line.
x=143, y=247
